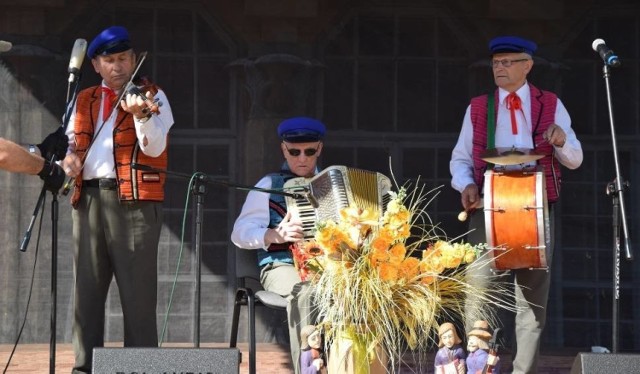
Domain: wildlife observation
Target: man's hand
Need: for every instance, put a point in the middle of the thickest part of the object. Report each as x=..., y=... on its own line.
x=470, y=197
x=289, y=230
x=72, y=165
x=137, y=106
x=55, y=144
x=52, y=175
x=555, y=135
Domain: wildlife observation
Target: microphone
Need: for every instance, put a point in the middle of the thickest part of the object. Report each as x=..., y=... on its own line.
x=77, y=56
x=135, y=165
x=5, y=46
x=606, y=54
x=311, y=199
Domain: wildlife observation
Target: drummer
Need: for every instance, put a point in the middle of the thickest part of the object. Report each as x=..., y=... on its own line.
x=526, y=118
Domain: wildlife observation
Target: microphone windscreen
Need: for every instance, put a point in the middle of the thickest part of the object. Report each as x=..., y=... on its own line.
x=5, y=46
x=596, y=43
x=77, y=54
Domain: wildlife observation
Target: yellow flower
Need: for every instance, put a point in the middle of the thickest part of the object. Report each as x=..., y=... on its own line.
x=450, y=260
x=431, y=262
x=356, y=216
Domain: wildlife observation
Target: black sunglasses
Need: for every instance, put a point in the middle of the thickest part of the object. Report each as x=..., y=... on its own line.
x=307, y=151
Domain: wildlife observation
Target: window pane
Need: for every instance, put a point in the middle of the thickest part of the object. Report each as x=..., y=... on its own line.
x=375, y=91
x=416, y=96
x=376, y=36
x=452, y=98
x=171, y=75
x=213, y=95
x=338, y=94
x=175, y=31
x=415, y=37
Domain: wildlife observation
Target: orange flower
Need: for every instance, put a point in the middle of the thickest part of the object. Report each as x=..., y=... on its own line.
x=380, y=244
x=396, y=254
x=378, y=257
x=428, y=279
x=410, y=268
x=388, y=272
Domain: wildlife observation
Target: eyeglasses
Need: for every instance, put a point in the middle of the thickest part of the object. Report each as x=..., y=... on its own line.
x=307, y=151
x=506, y=63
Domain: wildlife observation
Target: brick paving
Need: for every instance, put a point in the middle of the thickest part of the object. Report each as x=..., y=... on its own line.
x=272, y=359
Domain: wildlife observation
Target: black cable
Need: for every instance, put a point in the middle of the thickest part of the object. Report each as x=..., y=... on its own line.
x=33, y=275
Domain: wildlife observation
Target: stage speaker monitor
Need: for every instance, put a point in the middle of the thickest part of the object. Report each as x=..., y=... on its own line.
x=166, y=360
x=600, y=363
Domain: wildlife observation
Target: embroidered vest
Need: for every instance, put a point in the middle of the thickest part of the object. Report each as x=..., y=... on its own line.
x=543, y=110
x=133, y=184
x=277, y=211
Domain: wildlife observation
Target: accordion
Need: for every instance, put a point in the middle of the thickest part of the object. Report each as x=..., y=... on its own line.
x=335, y=188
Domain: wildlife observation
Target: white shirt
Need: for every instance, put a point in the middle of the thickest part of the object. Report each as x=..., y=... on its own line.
x=253, y=221
x=99, y=162
x=461, y=165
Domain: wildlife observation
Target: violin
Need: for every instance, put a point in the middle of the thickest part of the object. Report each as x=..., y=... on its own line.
x=492, y=359
x=140, y=86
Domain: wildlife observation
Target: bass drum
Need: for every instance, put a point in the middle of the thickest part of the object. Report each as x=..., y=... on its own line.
x=516, y=219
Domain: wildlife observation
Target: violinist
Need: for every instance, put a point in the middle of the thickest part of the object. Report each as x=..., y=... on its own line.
x=117, y=213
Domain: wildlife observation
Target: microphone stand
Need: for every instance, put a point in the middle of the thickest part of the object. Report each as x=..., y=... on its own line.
x=615, y=189
x=54, y=240
x=199, y=189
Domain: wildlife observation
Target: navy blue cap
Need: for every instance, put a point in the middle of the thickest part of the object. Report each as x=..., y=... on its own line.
x=111, y=40
x=506, y=44
x=301, y=130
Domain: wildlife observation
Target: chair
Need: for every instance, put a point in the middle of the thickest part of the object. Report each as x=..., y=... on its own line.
x=247, y=268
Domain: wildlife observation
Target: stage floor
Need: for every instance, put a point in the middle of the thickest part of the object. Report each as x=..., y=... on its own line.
x=272, y=359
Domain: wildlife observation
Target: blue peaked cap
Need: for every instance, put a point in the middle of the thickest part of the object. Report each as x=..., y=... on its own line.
x=111, y=40
x=505, y=44
x=301, y=130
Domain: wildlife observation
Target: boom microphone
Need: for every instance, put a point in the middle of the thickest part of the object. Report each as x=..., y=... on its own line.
x=5, y=46
x=310, y=198
x=606, y=54
x=136, y=166
x=77, y=56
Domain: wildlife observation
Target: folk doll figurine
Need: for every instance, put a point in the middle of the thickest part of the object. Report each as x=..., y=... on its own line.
x=450, y=358
x=312, y=354
x=478, y=347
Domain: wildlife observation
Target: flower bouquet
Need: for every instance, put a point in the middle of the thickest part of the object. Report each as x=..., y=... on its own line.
x=384, y=281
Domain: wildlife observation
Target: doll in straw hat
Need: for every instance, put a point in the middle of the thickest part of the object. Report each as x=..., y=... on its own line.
x=478, y=347
x=450, y=358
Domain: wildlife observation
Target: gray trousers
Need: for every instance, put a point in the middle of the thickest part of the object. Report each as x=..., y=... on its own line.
x=121, y=240
x=531, y=289
x=283, y=279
